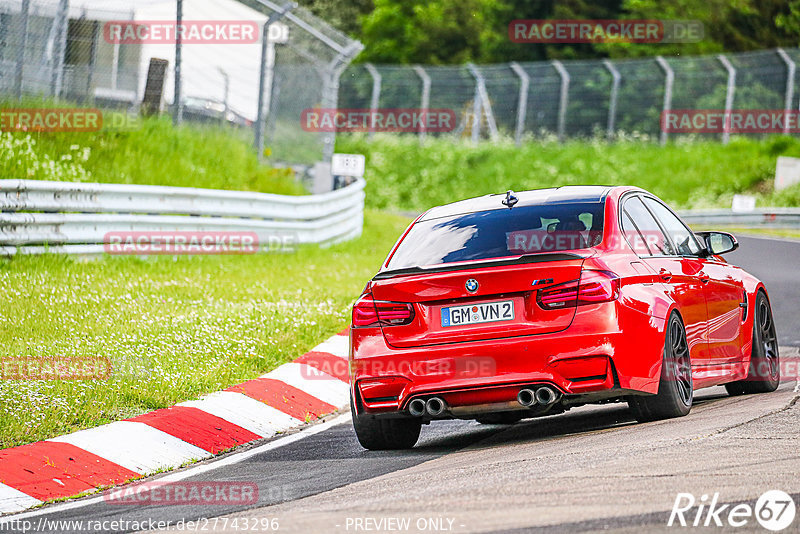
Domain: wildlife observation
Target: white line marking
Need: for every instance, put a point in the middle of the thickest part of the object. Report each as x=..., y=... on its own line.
x=135, y=446
x=234, y=458
x=245, y=412
x=313, y=381
x=13, y=500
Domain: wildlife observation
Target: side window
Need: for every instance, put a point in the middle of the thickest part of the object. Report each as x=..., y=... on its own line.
x=683, y=238
x=634, y=237
x=648, y=227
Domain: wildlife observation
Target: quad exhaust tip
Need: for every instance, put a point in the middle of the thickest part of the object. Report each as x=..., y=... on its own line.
x=435, y=406
x=416, y=407
x=526, y=397
x=544, y=395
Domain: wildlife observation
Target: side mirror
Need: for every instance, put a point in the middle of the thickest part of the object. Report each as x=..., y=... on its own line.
x=718, y=242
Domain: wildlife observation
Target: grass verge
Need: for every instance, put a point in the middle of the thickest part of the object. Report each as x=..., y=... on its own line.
x=154, y=152
x=172, y=328
x=402, y=174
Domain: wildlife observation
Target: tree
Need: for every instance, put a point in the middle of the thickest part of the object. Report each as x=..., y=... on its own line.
x=425, y=31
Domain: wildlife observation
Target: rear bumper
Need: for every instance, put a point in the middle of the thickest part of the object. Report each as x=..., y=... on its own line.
x=589, y=358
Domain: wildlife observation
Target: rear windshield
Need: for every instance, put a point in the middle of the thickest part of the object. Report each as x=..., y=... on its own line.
x=501, y=233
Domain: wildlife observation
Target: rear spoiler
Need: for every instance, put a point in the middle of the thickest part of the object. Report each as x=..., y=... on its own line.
x=444, y=268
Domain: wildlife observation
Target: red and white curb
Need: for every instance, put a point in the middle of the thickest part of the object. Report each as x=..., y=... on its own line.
x=313, y=385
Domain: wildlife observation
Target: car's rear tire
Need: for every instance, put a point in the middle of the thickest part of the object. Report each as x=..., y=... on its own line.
x=385, y=434
x=501, y=418
x=764, y=373
x=675, y=389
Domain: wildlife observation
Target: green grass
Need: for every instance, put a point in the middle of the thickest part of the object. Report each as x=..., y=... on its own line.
x=173, y=328
x=151, y=153
x=404, y=175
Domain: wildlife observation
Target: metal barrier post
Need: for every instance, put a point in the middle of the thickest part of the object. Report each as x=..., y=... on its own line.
x=522, y=100
x=426, y=97
x=612, y=103
x=669, y=80
x=563, y=98
x=787, y=103
x=726, y=129
x=376, y=92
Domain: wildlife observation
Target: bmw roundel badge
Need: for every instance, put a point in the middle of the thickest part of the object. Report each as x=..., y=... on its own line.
x=471, y=285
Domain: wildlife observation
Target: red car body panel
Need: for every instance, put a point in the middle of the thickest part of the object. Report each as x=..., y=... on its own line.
x=593, y=352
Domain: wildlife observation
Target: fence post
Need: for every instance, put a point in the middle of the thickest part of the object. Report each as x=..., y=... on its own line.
x=482, y=95
x=426, y=97
x=612, y=103
x=226, y=93
x=563, y=98
x=726, y=129
x=177, y=100
x=522, y=100
x=376, y=92
x=330, y=92
x=92, y=62
x=669, y=80
x=59, y=47
x=476, y=113
x=267, y=64
x=787, y=103
x=23, y=45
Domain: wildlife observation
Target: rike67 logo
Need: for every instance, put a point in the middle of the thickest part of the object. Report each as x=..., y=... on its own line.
x=774, y=510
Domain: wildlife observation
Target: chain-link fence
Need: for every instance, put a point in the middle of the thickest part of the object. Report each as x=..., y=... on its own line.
x=596, y=98
x=115, y=54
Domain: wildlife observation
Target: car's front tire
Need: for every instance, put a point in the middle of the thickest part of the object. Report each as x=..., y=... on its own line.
x=675, y=389
x=764, y=374
x=385, y=434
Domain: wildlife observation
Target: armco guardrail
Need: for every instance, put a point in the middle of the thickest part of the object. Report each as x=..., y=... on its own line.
x=773, y=217
x=66, y=217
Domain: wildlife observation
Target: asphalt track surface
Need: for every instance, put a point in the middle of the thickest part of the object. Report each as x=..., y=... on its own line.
x=591, y=469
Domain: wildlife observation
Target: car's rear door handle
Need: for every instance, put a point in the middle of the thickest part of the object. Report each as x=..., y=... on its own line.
x=665, y=275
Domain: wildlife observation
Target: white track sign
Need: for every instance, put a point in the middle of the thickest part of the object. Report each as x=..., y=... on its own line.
x=348, y=165
x=787, y=172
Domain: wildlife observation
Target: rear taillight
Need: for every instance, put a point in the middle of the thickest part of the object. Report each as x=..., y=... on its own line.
x=593, y=287
x=368, y=312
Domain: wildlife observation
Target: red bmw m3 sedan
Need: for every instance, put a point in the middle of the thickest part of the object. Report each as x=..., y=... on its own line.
x=519, y=305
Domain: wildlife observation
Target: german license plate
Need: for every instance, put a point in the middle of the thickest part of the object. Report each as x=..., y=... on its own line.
x=486, y=312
